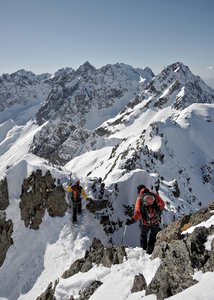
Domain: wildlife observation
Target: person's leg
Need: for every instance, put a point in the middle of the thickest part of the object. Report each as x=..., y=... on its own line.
x=143, y=236
x=152, y=238
x=79, y=207
x=74, y=212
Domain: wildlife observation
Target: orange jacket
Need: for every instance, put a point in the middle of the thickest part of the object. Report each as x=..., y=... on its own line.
x=137, y=213
x=69, y=189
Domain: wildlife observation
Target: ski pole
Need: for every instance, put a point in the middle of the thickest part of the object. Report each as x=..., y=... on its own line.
x=162, y=228
x=123, y=234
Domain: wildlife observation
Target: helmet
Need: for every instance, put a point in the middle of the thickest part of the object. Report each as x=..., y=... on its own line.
x=140, y=187
x=77, y=182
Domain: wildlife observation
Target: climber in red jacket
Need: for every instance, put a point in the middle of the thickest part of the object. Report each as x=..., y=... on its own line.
x=149, y=206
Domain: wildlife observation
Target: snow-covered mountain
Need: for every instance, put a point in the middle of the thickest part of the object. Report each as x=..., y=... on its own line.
x=79, y=102
x=123, y=125
x=21, y=94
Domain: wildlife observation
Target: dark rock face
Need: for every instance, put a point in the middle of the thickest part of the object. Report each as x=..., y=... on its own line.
x=97, y=205
x=182, y=254
x=49, y=293
x=98, y=254
x=88, y=292
x=4, y=198
x=38, y=194
x=139, y=283
x=174, y=230
x=209, y=265
x=6, y=230
x=102, y=208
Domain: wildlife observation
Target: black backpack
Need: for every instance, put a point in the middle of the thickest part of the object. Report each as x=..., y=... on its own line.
x=150, y=210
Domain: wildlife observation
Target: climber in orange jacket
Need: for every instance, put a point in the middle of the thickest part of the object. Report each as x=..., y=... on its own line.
x=149, y=207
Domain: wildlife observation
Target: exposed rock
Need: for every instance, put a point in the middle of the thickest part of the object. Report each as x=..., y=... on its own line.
x=174, y=230
x=56, y=204
x=6, y=230
x=102, y=209
x=88, y=292
x=209, y=266
x=49, y=293
x=4, y=198
x=38, y=194
x=181, y=254
x=97, y=205
x=139, y=284
x=98, y=254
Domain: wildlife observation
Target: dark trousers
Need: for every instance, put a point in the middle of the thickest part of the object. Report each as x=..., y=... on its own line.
x=77, y=208
x=149, y=246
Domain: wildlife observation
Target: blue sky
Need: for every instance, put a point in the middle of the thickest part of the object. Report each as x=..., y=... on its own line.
x=47, y=35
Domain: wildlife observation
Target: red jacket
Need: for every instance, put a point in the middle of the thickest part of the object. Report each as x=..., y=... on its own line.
x=137, y=214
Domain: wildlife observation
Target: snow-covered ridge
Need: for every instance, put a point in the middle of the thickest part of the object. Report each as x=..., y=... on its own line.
x=130, y=134
x=39, y=257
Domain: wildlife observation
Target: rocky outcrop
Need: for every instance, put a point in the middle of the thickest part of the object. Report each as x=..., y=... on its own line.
x=38, y=194
x=98, y=254
x=139, y=284
x=182, y=254
x=84, y=295
x=97, y=205
x=88, y=292
x=4, y=198
x=6, y=229
x=102, y=208
x=174, y=230
x=49, y=293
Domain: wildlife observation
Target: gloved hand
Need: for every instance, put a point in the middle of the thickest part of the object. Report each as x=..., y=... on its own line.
x=88, y=199
x=130, y=221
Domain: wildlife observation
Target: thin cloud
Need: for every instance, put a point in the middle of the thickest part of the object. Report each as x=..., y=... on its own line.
x=210, y=68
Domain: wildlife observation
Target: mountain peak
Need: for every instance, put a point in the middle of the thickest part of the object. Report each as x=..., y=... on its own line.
x=86, y=67
x=30, y=75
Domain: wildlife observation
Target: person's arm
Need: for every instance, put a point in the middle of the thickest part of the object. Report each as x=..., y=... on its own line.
x=160, y=201
x=137, y=213
x=69, y=188
x=83, y=193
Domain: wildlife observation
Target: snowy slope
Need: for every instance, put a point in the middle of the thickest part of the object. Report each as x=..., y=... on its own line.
x=40, y=257
x=177, y=150
x=157, y=145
